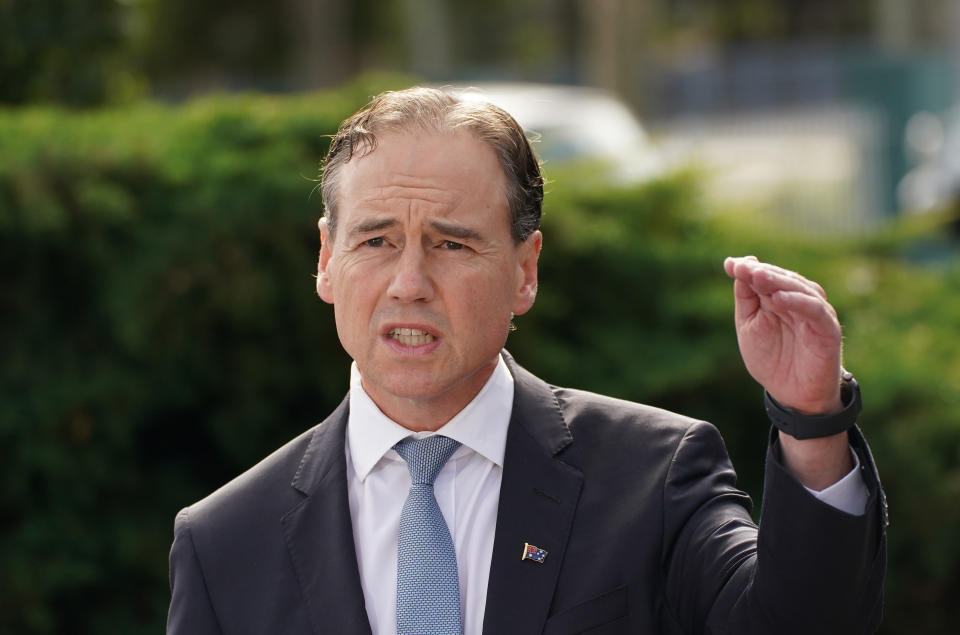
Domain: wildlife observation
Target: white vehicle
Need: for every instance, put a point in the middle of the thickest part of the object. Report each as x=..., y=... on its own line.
x=934, y=145
x=575, y=124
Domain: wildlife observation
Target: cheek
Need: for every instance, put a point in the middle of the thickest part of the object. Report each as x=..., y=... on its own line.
x=486, y=300
x=353, y=306
x=354, y=299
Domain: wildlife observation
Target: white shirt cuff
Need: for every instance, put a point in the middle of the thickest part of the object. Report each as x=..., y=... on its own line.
x=849, y=494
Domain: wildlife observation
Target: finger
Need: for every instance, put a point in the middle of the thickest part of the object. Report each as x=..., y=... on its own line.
x=730, y=263
x=746, y=301
x=748, y=266
x=803, y=309
x=774, y=278
x=767, y=278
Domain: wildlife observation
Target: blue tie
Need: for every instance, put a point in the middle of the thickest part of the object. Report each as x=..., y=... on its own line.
x=428, y=589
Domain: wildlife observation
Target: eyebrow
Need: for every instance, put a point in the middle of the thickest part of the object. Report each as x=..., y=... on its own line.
x=372, y=225
x=455, y=230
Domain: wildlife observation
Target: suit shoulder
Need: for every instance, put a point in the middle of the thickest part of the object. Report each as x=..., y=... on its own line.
x=581, y=408
x=262, y=487
x=606, y=425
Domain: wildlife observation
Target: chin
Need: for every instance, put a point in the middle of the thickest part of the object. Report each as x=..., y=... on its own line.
x=410, y=384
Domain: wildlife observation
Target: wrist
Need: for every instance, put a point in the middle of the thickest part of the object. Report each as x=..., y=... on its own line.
x=831, y=421
x=817, y=463
x=823, y=407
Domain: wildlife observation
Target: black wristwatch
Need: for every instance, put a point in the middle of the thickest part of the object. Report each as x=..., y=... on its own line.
x=801, y=426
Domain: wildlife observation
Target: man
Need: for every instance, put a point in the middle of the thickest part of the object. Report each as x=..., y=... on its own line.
x=540, y=509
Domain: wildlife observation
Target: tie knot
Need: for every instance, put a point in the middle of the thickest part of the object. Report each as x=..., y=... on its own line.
x=426, y=457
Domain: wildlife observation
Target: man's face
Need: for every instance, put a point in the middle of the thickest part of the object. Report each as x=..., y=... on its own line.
x=423, y=272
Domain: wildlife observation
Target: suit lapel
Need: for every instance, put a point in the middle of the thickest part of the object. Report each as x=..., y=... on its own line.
x=538, y=498
x=319, y=535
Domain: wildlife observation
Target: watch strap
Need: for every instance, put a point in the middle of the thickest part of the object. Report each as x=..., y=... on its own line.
x=801, y=426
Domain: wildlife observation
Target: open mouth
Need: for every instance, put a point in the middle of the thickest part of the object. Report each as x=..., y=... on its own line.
x=411, y=337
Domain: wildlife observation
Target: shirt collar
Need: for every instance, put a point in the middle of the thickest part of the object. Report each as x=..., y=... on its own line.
x=480, y=427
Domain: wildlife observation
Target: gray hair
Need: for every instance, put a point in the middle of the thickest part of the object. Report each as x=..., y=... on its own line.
x=435, y=110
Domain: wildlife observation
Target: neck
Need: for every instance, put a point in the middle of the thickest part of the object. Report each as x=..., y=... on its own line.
x=429, y=414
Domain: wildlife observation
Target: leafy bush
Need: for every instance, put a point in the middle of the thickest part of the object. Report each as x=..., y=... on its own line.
x=160, y=334
x=69, y=53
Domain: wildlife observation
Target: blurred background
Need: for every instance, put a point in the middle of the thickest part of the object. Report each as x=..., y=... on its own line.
x=159, y=332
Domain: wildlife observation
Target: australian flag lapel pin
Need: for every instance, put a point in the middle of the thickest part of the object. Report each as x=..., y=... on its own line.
x=532, y=552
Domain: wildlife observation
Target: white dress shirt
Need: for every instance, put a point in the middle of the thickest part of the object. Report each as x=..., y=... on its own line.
x=467, y=491
x=849, y=494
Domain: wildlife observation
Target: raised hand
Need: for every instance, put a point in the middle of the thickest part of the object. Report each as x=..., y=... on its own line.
x=789, y=335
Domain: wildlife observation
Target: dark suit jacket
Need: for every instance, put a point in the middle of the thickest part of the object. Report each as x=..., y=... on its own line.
x=637, y=508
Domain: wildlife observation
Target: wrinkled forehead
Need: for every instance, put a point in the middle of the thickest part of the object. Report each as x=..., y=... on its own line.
x=447, y=165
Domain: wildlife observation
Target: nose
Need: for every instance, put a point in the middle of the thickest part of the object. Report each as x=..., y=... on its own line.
x=411, y=280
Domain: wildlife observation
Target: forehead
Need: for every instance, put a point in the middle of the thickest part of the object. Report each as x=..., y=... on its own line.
x=443, y=171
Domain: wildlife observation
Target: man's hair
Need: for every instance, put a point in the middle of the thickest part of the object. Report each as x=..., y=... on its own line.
x=433, y=110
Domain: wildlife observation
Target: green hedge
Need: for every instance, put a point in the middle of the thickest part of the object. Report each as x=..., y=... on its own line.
x=160, y=334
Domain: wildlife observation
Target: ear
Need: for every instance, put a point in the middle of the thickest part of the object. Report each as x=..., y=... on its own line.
x=526, y=289
x=324, y=287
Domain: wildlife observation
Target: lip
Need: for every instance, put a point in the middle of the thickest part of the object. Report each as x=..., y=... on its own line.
x=385, y=331
x=422, y=349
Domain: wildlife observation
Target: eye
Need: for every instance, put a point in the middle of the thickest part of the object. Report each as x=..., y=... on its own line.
x=374, y=242
x=451, y=245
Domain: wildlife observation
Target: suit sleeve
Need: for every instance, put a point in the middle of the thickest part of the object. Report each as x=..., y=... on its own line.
x=810, y=568
x=191, y=611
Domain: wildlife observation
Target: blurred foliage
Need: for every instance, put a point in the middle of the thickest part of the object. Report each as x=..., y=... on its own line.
x=64, y=52
x=94, y=52
x=241, y=36
x=161, y=334
x=769, y=20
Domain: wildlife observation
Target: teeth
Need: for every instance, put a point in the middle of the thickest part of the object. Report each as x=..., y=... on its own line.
x=411, y=337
